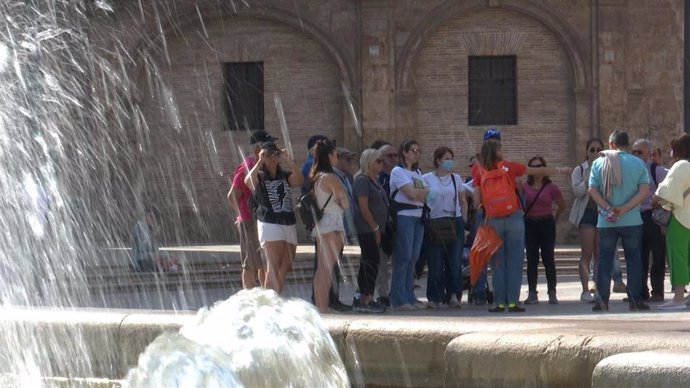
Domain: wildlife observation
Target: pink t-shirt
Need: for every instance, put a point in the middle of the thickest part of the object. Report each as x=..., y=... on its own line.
x=238, y=182
x=544, y=204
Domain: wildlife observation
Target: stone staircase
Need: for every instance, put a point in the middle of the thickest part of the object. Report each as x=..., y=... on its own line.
x=219, y=267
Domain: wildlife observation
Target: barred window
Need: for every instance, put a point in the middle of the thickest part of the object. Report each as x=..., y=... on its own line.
x=492, y=91
x=244, y=95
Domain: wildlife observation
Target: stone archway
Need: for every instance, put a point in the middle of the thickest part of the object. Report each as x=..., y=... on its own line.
x=581, y=125
x=310, y=85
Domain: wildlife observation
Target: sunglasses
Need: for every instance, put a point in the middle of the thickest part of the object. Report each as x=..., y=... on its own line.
x=416, y=151
x=594, y=150
x=273, y=153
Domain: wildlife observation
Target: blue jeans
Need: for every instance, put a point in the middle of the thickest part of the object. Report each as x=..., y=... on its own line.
x=408, y=243
x=632, y=247
x=445, y=267
x=507, y=262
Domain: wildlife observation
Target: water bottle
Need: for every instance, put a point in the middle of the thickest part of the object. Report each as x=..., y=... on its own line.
x=609, y=215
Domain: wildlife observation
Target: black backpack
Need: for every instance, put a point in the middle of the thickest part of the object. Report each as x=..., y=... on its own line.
x=309, y=210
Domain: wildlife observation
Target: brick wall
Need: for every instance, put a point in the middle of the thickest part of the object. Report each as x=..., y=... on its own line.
x=189, y=165
x=544, y=85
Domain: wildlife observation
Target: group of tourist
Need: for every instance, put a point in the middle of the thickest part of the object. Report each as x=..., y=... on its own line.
x=398, y=214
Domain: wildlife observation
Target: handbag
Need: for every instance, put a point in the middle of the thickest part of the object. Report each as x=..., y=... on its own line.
x=661, y=216
x=443, y=230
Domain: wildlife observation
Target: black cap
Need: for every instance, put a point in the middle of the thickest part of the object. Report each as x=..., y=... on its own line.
x=315, y=138
x=270, y=147
x=261, y=137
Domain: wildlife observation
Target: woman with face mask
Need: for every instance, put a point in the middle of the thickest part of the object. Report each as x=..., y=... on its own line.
x=446, y=229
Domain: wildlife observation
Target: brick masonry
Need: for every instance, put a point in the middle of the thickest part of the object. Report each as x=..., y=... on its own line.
x=582, y=72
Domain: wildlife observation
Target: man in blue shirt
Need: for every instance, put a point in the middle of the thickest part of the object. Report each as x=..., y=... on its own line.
x=618, y=183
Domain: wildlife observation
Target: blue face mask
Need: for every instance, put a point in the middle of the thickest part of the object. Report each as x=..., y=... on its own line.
x=447, y=165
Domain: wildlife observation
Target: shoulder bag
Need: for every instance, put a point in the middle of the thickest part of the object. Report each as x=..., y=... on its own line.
x=661, y=216
x=442, y=230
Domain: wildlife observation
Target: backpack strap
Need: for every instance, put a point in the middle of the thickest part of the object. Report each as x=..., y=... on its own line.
x=652, y=170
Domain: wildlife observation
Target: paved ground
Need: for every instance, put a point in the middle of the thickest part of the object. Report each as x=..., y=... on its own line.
x=569, y=289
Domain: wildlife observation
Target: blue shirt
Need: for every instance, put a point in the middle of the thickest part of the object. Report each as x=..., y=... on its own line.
x=385, y=181
x=306, y=169
x=633, y=174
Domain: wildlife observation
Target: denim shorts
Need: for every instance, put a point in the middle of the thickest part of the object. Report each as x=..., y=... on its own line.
x=589, y=219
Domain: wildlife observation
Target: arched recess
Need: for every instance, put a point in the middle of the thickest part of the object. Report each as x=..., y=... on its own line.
x=152, y=36
x=192, y=25
x=451, y=9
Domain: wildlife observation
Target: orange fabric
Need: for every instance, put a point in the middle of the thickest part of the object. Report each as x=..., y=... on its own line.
x=485, y=244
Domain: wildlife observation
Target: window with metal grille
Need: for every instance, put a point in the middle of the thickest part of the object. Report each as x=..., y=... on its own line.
x=492, y=91
x=244, y=95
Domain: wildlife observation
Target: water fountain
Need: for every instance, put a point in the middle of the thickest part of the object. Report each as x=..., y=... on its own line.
x=67, y=117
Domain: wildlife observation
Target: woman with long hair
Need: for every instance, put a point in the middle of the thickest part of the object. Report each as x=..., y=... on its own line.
x=495, y=179
x=408, y=195
x=370, y=221
x=448, y=206
x=272, y=193
x=584, y=215
x=674, y=193
x=540, y=229
x=329, y=231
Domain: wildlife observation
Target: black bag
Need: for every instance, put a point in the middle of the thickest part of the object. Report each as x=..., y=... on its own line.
x=308, y=209
x=661, y=216
x=388, y=237
x=442, y=230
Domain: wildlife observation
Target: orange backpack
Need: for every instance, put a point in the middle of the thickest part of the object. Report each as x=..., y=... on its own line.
x=499, y=198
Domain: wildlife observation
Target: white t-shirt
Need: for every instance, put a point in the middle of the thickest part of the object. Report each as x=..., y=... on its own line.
x=443, y=195
x=401, y=177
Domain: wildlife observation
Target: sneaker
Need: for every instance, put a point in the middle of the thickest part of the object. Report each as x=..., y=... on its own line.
x=436, y=306
x=600, y=304
x=638, y=305
x=498, y=309
x=454, y=302
x=552, y=298
x=586, y=297
x=371, y=308
x=404, y=307
x=673, y=305
x=514, y=308
x=340, y=306
x=384, y=301
x=619, y=287
x=419, y=305
x=532, y=299
x=656, y=298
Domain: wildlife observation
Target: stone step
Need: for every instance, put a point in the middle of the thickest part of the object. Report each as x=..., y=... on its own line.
x=221, y=269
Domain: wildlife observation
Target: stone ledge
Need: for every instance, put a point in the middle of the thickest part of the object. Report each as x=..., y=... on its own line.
x=666, y=368
x=424, y=351
x=553, y=359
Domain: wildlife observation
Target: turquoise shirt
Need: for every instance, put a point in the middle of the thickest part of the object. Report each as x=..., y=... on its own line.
x=633, y=174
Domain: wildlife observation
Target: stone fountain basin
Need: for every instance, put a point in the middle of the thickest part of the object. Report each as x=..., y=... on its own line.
x=612, y=350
